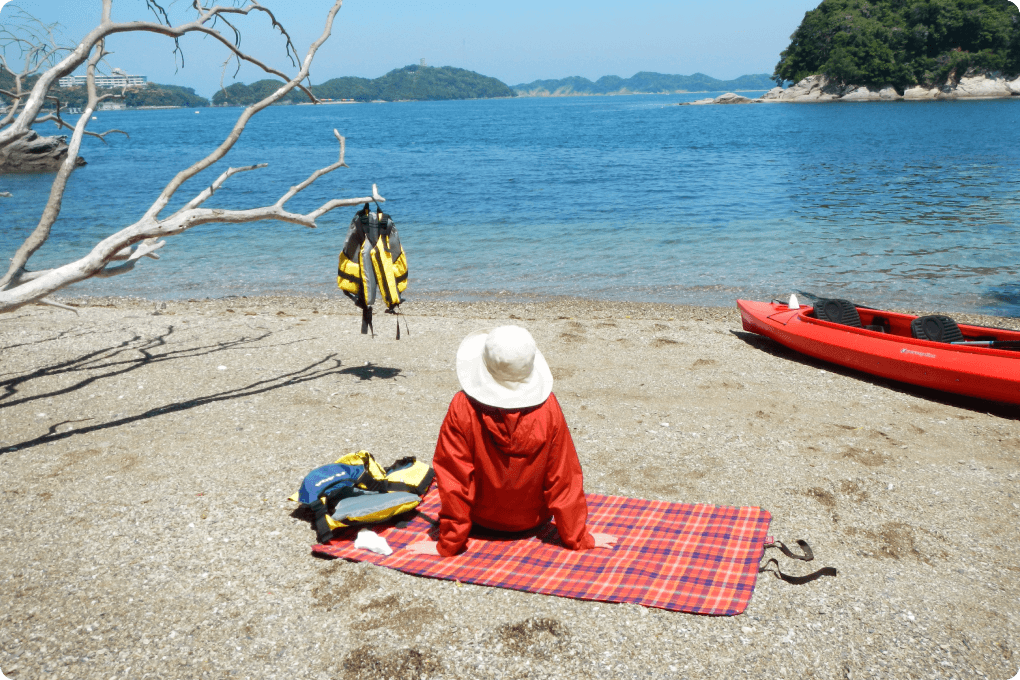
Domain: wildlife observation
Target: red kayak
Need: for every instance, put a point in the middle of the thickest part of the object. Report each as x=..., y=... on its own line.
x=974, y=360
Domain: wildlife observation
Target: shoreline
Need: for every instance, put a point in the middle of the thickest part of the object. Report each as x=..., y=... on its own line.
x=623, y=94
x=818, y=89
x=148, y=449
x=425, y=301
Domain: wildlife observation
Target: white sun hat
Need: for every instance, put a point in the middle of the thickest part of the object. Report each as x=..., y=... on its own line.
x=503, y=368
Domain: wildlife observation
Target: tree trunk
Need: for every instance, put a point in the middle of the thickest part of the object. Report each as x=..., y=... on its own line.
x=35, y=154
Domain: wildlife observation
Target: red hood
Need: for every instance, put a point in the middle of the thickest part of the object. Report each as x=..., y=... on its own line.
x=512, y=434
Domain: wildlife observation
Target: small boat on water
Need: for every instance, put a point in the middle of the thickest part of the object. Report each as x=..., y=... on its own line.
x=930, y=351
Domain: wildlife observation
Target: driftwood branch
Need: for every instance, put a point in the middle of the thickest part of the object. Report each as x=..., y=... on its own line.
x=319, y=173
x=61, y=123
x=51, y=303
x=211, y=189
x=77, y=56
x=42, y=230
x=20, y=287
x=242, y=121
x=144, y=249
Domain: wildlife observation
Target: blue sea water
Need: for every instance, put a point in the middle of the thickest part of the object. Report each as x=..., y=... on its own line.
x=900, y=204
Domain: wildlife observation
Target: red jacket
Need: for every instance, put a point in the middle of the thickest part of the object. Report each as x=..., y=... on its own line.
x=508, y=470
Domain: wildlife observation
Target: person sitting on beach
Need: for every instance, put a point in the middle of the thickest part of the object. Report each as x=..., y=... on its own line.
x=505, y=461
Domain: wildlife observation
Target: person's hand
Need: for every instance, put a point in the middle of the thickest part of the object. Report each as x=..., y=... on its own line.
x=423, y=548
x=604, y=540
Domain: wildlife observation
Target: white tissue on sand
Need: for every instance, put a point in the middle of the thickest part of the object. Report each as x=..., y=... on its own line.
x=369, y=540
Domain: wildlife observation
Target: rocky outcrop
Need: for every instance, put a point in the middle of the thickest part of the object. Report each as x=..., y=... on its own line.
x=732, y=98
x=979, y=87
x=811, y=89
x=920, y=92
x=35, y=154
x=728, y=98
x=860, y=94
x=818, y=89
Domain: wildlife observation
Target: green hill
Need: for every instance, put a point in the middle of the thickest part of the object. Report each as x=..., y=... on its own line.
x=418, y=83
x=240, y=94
x=903, y=42
x=153, y=94
x=645, y=82
x=165, y=95
x=408, y=83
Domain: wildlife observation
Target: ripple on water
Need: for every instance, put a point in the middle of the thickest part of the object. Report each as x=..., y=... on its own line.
x=900, y=204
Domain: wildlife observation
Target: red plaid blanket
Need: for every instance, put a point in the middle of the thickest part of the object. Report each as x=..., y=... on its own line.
x=700, y=559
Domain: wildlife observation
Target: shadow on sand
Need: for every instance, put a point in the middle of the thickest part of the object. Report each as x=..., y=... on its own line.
x=138, y=353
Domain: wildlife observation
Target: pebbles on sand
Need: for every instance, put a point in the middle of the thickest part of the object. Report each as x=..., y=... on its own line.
x=146, y=533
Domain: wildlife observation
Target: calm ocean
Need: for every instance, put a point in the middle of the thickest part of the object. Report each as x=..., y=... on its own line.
x=911, y=205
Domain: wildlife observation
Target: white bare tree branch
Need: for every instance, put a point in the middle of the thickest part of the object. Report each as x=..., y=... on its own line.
x=143, y=249
x=146, y=248
x=107, y=27
x=52, y=210
x=51, y=303
x=202, y=197
x=60, y=122
x=20, y=286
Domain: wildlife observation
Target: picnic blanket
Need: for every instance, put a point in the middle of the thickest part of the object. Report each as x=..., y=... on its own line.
x=698, y=558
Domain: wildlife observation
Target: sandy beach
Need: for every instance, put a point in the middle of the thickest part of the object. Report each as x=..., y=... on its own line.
x=147, y=451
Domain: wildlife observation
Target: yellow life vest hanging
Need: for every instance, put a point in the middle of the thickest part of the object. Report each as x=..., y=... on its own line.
x=385, y=272
x=372, y=260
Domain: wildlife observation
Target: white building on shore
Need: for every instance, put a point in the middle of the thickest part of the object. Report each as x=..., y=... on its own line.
x=117, y=78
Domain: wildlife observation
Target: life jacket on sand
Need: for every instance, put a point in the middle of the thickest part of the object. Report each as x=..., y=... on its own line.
x=357, y=491
x=372, y=263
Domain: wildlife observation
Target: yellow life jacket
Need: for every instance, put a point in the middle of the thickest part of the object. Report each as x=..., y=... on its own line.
x=379, y=494
x=391, y=274
x=389, y=262
x=348, y=277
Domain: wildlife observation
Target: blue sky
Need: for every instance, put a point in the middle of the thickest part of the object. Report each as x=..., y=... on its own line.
x=515, y=42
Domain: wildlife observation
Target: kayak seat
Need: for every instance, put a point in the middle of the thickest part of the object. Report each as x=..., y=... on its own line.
x=936, y=328
x=844, y=313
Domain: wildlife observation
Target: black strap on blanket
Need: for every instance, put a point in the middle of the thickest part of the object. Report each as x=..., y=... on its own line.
x=796, y=580
x=806, y=557
x=433, y=522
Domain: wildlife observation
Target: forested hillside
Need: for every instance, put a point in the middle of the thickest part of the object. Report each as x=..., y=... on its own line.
x=241, y=94
x=416, y=82
x=903, y=42
x=645, y=82
x=164, y=95
x=408, y=83
x=153, y=94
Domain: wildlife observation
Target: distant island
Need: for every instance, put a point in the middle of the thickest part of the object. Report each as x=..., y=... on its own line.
x=153, y=95
x=410, y=83
x=644, y=82
x=416, y=82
